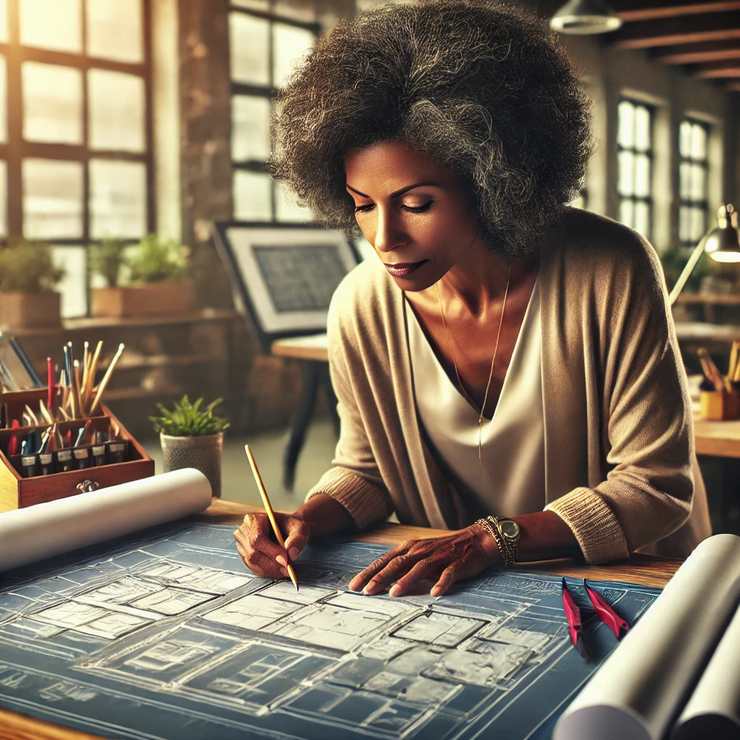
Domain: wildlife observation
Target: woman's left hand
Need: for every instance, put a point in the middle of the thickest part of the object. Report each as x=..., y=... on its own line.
x=443, y=559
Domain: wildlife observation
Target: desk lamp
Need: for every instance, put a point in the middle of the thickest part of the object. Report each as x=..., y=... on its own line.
x=721, y=244
x=585, y=17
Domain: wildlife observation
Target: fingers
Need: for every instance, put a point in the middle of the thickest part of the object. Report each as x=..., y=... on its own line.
x=359, y=582
x=257, y=549
x=421, y=571
x=448, y=577
x=296, y=536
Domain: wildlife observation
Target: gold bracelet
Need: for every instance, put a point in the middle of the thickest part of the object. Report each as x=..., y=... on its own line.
x=507, y=549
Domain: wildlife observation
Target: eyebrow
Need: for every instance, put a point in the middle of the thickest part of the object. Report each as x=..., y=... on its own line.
x=426, y=183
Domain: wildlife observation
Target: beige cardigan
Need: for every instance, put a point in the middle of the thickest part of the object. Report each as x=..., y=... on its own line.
x=618, y=431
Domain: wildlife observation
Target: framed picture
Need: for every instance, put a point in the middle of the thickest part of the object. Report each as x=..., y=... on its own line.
x=284, y=275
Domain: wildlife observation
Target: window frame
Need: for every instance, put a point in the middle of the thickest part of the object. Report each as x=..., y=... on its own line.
x=265, y=92
x=704, y=164
x=648, y=200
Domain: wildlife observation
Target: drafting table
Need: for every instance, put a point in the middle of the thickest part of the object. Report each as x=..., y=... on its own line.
x=640, y=569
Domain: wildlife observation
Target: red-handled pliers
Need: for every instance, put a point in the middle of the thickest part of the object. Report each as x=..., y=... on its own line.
x=603, y=610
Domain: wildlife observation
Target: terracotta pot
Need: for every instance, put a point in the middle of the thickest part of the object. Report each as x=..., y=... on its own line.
x=203, y=453
x=29, y=309
x=144, y=300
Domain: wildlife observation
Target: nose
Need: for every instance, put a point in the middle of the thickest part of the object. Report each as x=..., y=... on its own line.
x=388, y=234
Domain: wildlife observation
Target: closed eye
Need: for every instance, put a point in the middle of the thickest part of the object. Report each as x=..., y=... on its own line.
x=365, y=208
x=418, y=209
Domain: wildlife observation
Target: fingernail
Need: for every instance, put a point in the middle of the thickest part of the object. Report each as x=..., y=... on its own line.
x=281, y=560
x=395, y=591
x=293, y=553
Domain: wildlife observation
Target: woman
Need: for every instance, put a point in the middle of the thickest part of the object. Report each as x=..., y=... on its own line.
x=508, y=368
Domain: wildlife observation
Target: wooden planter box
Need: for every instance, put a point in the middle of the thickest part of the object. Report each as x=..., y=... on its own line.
x=144, y=300
x=19, y=310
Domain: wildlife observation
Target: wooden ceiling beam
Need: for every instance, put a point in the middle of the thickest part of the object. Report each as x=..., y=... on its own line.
x=718, y=71
x=697, y=53
x=689, y=30
x=646, y=10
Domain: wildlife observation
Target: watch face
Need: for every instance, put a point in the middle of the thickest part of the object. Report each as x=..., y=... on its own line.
x=509, y=528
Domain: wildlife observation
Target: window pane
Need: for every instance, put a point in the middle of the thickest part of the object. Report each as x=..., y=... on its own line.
x=298, y=10
x=642, y=129
x=263, y=5
x=117, y=199
x=52, y=103
x=52, y=24
x=250, y=128
x=114, y=30
x=642, y=219
x=116, y=111
x=684, y=184
x=684, y=223
x=249, y=48
x=626, y=133
x=3, y=100
x=698, y=182
x=52, y=199
x=684, y=139
x=289, y=44
x=286, y=208
x=3, y=198
x=698, y=142
x=698, y=224
x=642, y=175
x=73, y=286
x=626, y=166
x=252, y=196
x=626, y=212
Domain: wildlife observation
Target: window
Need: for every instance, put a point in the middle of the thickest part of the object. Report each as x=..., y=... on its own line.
x=75, y=148
x=635, y=165
x=265, y=38
x=693, y=205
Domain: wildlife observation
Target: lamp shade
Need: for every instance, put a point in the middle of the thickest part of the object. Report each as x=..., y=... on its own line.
x=585, y=17
x=722, y=242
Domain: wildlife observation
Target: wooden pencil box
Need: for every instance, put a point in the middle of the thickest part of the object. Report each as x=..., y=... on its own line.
x=17, y=491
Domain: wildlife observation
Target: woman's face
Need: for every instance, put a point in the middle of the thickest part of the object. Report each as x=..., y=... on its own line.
x=415, y=213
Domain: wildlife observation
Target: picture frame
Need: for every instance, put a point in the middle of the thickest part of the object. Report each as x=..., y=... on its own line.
x=283, y=275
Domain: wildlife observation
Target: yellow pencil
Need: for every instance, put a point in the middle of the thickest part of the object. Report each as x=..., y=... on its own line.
x=270, y=512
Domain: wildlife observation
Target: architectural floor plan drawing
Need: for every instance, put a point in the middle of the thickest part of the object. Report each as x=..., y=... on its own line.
x=165, y=635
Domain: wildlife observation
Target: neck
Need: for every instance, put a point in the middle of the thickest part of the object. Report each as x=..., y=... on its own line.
x=479, y=281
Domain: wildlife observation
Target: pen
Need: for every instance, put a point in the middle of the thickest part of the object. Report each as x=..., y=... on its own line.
x=575, y=626
x=270, y=512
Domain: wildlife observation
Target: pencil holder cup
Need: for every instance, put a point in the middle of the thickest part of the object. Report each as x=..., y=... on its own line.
x=203, y=453
x=719, y=405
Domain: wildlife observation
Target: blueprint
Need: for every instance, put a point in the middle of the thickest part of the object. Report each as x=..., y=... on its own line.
x=164, y=634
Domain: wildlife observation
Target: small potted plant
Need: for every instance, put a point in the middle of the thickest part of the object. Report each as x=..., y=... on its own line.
x=28, y=277
x=157, y=282
x=192, y=437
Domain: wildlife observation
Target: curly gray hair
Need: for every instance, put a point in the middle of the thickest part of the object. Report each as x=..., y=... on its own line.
x=479, y=86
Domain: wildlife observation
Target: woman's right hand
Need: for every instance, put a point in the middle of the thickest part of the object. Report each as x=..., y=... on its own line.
x=255, y=542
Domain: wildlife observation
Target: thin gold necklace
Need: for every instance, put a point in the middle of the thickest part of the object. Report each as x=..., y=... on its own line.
x=493, y=363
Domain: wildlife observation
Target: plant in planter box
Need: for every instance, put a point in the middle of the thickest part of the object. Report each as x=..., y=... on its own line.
x=108, y=259
x=158, y=280
x=192, y=437
x=28, y=277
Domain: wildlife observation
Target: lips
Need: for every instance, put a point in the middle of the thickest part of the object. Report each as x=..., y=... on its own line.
x=403, y=269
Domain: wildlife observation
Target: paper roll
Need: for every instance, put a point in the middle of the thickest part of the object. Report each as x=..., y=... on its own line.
x=56, y=527
x=640, y=688
x=714, y=708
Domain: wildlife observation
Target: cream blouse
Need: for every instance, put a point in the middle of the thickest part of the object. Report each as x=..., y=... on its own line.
x=512, y=442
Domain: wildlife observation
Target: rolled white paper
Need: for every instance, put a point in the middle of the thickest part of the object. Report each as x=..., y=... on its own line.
x=639, y=689
x=714, y=708
x=52, y=528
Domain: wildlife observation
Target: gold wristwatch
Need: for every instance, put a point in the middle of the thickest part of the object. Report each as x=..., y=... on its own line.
x=506, y=532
